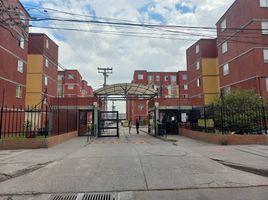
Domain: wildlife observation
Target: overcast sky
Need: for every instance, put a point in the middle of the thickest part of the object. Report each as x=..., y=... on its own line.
x=86, y=51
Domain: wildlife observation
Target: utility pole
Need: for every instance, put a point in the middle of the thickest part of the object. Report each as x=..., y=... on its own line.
x=105, y=72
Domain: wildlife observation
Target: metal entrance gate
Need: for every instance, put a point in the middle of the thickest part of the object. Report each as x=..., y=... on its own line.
x=108, y=124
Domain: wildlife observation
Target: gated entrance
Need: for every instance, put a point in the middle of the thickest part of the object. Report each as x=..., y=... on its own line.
x=108, y=124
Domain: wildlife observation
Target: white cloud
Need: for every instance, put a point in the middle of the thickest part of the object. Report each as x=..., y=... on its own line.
x=87, y=51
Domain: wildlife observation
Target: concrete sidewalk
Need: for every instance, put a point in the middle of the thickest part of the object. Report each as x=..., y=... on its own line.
x=253, y=158
x=15, y=163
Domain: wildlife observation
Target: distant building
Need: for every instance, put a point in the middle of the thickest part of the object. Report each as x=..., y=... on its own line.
x=202, y=68
x=167, y=85
x=86, y=90
x=243, y=47
x=42, y=69
x=182, y=83
x=13, y=53
x=69, y=83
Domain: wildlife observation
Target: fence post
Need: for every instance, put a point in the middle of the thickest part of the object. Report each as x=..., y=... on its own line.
x=222, y=117
x=46, y=122
x=264, y=118
x=2, y=110
x=205, y=118
x=1, y=120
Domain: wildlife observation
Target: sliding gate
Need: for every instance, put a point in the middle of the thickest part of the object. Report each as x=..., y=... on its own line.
x=108, y=124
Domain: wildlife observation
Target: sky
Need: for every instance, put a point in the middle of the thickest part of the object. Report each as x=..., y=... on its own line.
x=154, y=51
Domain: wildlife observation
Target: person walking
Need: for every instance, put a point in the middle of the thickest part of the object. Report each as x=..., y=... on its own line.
x=137, y=125
x=129, y=126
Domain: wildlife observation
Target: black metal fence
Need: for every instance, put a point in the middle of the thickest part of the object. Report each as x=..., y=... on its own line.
x=245, y=119
x=32, y=122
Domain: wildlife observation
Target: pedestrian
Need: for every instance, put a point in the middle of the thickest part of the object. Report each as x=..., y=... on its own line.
x=137, y=126
x=129, y=126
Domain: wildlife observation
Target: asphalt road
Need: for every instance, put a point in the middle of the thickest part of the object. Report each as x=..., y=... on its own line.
x=133, y=167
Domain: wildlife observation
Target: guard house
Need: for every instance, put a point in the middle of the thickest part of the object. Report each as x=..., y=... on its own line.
x=166, y=114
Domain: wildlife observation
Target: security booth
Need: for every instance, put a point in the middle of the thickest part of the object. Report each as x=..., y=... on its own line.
x=166, y=115
x=79, y=113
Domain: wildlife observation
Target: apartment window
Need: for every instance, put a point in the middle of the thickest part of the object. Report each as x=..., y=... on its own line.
x=185, y=87
x=264, y=3
x=184, y=77
x=45, y=80
x=47, y=44
x=70, y=86
x=197, y=49
x=197, y=65
x=225, y=69
x=20, y=66
x=150, y=78
x=21, y=42
x=227, y=90
x=173, y=78
x=70, y=76
x=157, y=78
x=224, y=47
x=223, y=25
x=60, y=77
x=141, y=107
x=265, y=55
x=140, y=76
x=266, y=83
x=18, y=91
x=264, y=27
x=166, y=78
x=46, y=62
x=198, y=82
x=22, y=18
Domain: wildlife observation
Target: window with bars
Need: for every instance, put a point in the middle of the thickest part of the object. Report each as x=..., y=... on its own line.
x=20, y=66
x=18, y=91
x=264, y=3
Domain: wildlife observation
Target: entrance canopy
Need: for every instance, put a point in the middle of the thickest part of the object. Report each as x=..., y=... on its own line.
x=124, y=91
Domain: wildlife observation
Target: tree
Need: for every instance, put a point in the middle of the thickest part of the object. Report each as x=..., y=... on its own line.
x=241, y=111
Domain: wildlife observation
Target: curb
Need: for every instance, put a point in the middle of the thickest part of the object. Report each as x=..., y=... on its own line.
x=161, y=138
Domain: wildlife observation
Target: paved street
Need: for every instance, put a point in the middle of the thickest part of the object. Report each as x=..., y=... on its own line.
x=134, y=167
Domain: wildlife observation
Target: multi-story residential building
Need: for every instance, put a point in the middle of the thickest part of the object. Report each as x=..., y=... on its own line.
x=243, y=46
x=165, y=82
x=14, y=23
x=86, y=90
x=182, y=83
x=202, y=68
x=42, y=69
x=69, y=83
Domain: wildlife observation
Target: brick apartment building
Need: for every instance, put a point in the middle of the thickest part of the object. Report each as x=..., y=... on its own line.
x=243, y=46
x=86, y=90
x=167, y=84
x=13, y=53
x=182, y=83
x=202, y=68
x=69, y=83
x=42, y=68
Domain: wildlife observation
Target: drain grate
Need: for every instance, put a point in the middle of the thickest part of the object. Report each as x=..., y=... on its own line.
x=86, y=196
x=63, y=197
x=99, y=196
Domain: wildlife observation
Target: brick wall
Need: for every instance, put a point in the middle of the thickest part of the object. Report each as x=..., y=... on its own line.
x=225, y=139
x=36, y=143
